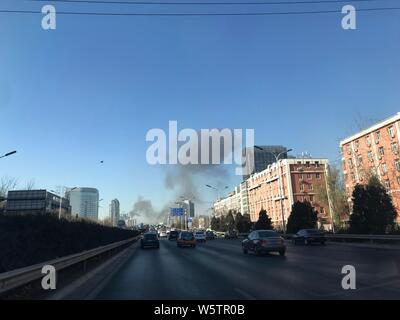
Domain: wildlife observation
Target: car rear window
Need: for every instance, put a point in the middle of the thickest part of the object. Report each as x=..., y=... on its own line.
x=268, y=234
x=187, y=236
x=150, y=236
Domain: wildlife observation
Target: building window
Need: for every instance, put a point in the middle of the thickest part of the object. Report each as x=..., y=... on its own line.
x=381, y=151
x=387, y=184
x=301, y=187
x=397, y=164
x=398, y=180
x=370, y=156
x=377, y=137
x=308, y=176
x=384, y=168
x=307, y=164
x=350, y=162
x=368, y=141
x=353, y=177
x=356, y=144
x=318, y=176
x=310, y=186
x=359, y=159
x=311, y=198
x=348, y=149
x=391, y=132
x=300, y=176
x=395, y=148
x=316, y=164
x=373, y=171
x=322, y=210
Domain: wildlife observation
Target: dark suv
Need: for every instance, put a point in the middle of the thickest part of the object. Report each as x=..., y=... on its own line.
x=173, y=235
x=150, y=240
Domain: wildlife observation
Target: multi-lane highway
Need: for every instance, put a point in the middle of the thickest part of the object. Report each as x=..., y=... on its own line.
x=219, y=270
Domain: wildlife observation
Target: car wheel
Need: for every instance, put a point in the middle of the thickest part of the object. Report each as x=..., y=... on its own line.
x=257, y=252
x=244, y=250
x=294, y=242
x=282, y=253
x=306, y=242
x=322, y=243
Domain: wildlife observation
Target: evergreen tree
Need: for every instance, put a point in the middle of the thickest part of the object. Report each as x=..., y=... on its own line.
x=303, y=216
x=229, y=221
x=263, y=222
x=373, y=209
x=215, y=223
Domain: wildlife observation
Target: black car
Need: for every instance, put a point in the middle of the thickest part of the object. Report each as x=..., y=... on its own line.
x=173, y=235
x=150, y=240
x=308, y=236
x=210, y=235
x=264, y=241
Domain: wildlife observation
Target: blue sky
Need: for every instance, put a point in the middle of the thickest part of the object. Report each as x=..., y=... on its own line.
x=92, y=88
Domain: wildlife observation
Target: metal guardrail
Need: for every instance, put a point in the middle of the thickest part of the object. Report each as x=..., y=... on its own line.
x=16, y=278
x=370, y=237
x=343, y=236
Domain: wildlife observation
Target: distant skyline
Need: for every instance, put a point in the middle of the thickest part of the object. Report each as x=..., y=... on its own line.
x=91, y=89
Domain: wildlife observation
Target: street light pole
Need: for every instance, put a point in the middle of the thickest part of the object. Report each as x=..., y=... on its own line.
x=60, y=195
x=281, y=195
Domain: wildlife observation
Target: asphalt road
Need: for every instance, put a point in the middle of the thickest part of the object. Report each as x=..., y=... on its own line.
x=219, y=270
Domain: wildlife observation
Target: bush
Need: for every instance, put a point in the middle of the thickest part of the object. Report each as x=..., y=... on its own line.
x=30, y=239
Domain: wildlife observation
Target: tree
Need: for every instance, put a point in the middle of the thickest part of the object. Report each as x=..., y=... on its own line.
x=215, y=223
x=7, y=184
x=264, y=222
x=302, y=216
x=333, y=196
x=229, y=221
x=373, y=209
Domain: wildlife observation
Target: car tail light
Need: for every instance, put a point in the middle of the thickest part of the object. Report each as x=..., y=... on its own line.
x=264, y=242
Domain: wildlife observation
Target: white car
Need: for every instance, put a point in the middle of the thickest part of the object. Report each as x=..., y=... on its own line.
x=163, y=234
x=200, y=236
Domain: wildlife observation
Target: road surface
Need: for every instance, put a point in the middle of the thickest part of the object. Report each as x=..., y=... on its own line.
x=219, y=270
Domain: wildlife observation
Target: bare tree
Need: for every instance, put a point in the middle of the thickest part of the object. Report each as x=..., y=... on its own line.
x=30, y=185
x=334, y=196
x=7, y=184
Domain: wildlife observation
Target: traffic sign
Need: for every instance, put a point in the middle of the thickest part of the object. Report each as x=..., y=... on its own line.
x=177, y=212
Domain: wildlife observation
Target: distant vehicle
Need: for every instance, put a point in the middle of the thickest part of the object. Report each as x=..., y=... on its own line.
x=210, y=235
x=308, y=236
x=264, y=241
x=173, y=235
x=200, y=236
x=186, y=238
x=163, y=234
x=150, y=239
x=121, y=224
x=231, y=234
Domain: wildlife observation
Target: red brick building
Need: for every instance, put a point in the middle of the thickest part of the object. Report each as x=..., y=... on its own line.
x=374, y=151
x=288, y=181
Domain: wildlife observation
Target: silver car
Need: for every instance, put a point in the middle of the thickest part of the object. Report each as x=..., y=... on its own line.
x=264, y=241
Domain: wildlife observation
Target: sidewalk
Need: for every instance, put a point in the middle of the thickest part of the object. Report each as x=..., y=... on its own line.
x=367, y=245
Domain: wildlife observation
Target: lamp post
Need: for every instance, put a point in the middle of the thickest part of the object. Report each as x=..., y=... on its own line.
x=8, y=154
x=62, y=190
x=216, y=189
x=277, y=156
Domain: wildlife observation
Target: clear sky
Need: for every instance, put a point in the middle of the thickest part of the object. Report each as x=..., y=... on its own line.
x=91, y=89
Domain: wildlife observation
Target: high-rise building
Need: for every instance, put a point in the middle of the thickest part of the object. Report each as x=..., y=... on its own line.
x=189, y=207
x=114, y=211
x=259, y=160
x=285, y=182
x=84, y=202
x=374, y=151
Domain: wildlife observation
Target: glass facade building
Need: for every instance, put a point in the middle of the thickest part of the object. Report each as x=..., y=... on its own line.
x=84, y=202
